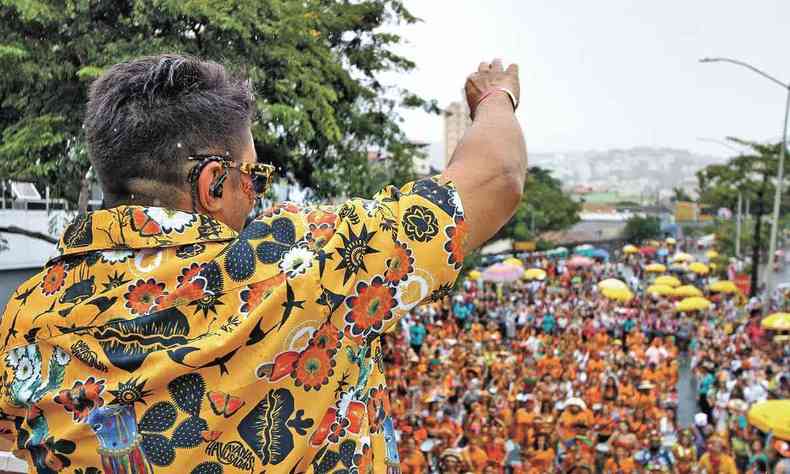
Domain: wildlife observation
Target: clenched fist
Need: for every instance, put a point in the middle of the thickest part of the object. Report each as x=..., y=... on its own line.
x=490, y=76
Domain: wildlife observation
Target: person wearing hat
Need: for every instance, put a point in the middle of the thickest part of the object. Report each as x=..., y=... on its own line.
x=716, y=459
x=575, y=420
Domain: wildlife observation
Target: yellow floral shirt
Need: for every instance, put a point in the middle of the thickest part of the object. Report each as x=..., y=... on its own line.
x=163, y=341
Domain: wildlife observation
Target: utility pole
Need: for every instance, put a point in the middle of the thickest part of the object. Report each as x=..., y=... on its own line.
x=757, y=238
x=738, y=226
x=782, y=154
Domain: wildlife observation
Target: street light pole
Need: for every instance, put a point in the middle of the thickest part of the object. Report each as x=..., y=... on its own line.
x=782, y=153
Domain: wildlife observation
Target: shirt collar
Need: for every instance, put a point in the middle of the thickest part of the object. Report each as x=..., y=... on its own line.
x=137, y=227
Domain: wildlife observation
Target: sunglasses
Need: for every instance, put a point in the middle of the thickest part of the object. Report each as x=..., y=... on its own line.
x=260, y=173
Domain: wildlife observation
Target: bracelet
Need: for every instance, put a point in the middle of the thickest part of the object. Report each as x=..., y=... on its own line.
x=492, y=91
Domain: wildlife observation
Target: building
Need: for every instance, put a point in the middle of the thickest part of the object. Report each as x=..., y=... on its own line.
x=456, y=121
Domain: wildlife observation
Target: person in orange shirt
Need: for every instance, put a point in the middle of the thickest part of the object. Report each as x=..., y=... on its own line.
x=620, y=463
x=651, y=373
x=645, y=398
x=477, y=455
x=575, y=420
x=412, y=459
x=541, y=455
x=595, y=365
x=716, y=459
x=525, y=417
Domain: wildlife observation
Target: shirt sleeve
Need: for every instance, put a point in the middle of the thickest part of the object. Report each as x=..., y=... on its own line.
x=390, y=253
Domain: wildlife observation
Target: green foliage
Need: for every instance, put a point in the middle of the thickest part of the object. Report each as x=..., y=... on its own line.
x=752, y=174
x=544, y=207
x=639, y=228
x=680, y=194
x=725, y=232
x=316, y=66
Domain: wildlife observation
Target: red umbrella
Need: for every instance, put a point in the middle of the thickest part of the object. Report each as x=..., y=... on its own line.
x=580, y=262
x=647, y=250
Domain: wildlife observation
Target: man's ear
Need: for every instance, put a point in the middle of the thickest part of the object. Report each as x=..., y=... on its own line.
x=211, y=174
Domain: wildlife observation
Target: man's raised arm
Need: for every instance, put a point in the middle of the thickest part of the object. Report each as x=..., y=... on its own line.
x=489, y=166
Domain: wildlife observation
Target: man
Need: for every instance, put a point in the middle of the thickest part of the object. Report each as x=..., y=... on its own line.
x=716, y=459
x=166, y=336
x=655, y=454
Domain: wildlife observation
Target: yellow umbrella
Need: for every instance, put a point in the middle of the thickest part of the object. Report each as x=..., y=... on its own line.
x=671, y=241
x=661, y=290
x=630, y=249
x=695, y=303
x=771, y=416
x=475, y=275
x=612, y=283
x=514, y=262
x=683, y=257
x=623, y=295
x=534, y=274
x=687, y=291
x=777, y=322
x=711, y=254
x=699, y=268
x=667, y=280
x=655, y=268
x=713, y=266
x=653, y=243
x=723, y=286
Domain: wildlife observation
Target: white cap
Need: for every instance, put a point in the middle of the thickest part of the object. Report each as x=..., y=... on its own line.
x=700, y=419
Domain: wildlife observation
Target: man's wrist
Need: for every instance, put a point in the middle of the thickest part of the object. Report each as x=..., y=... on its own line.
x=498, y=101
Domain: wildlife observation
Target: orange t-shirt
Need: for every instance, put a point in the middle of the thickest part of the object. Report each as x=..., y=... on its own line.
x=626, y=466
x=413, y=463
x=478, y=458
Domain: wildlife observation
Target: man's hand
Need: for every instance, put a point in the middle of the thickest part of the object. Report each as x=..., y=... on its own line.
x=489, y=166
x=490, y=76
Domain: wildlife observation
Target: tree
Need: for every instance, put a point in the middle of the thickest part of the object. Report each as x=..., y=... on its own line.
x=316, y=66
x=680, y=195
x=639, y=228
x=752, y=175
x=544, y=207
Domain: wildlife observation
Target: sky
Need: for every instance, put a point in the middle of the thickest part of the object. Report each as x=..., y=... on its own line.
x=599, y=74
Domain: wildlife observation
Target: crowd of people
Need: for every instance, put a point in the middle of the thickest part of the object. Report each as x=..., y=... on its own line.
x=552, y=376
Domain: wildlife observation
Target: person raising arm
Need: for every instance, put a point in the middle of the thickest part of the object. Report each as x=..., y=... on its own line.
x=489, y=166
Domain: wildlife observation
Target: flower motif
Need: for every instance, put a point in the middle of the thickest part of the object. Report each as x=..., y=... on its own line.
x=116, y=256
x=296, y=261
x=82, y=398
x=313, y=368
x=142, y=296
x=320, y=217
x=22, y=360
x=61, y=357
x=455, y=245
x=371, y=306
x=253, y=295
x=319, y=235
x=337, y=430
x=188, y=273
x=420, y=224
x=327, y=337
x=400, y=264
x=169, y=219
x=25, y=370
x=54, y=279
